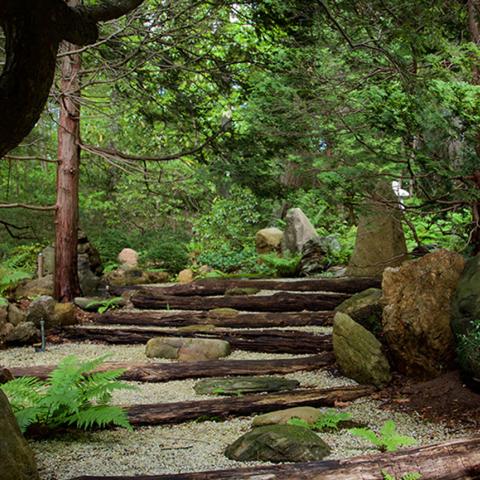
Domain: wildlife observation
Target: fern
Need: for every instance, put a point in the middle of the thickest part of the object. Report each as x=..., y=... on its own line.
x=407, y=476
x=73, y=395
x=330, y=420
x=387, y=440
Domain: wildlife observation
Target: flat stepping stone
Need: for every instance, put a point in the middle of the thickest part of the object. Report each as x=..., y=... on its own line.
x=282, y=417
x=242, y=385
x=278, y=443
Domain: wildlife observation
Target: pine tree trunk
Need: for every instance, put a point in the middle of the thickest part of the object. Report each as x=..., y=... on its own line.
x=66, y=223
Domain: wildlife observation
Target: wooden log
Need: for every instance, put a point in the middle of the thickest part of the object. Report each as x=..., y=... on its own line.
x=268, y=341
x=165, y=372
x=277, y=302
x=219, y=287
x=179, y=412
x=452, y=460
x=195, y=317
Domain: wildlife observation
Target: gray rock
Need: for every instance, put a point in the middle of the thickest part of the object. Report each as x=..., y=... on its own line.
x=380, y=241
x=63, y=315
x=269, y=240
x=299, y=230
x=187, y=349
x=16, y=315
x=282, y=417
x=314, y=258
x=417, y=313
x=358, y=353
x=366, y=309
x=90, y=284
x=16, y=457
x=48, y=260
x=243, y=385
x=41, y=309
x=24, y=333
x=278, y=443
x=35, y=288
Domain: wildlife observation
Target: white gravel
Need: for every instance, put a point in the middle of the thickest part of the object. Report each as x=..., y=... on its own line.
x=190, y=446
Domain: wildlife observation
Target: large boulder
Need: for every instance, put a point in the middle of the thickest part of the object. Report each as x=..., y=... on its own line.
x=380, y=241
x=243, y=385
x=366, y=309
x=278, y=443
x=16, y=458
x=417, y=313
x=298, y=231
x=187, y=349
x=358, y=353
x=269, y=240
x=466, y=319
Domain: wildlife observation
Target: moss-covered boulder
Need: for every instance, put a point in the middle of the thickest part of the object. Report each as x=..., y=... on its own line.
x=466, y=319
x=358, y=353
x=241, y=385
x=278, y=443
x=366, y=309
x=16, y=458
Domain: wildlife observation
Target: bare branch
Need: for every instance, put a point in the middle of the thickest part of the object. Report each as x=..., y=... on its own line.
x=28, y=207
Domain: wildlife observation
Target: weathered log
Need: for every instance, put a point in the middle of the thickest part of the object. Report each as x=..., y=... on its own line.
x=165, y=372
x=179, y=412
x=219, y=286
x=195, y=317
x=278, y=302
x=268, y=341
x=452, y=460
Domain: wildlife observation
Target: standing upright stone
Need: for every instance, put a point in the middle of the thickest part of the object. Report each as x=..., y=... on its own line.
x=380, y=239
x=128, y=259
x=298, y=232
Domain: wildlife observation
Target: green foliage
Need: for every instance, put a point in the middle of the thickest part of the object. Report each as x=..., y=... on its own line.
x=3, y=302
x=388, y=440
x=286, y=266
x=23, y=257
x=406, y=476
x=327, y=421
x=105, y=305
x=9, y=279
x=72, y=395
x=468, y=347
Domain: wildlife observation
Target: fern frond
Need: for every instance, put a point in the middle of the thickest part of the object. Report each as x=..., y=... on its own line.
x=28, y=416
x=101, y=416
x=23, y=391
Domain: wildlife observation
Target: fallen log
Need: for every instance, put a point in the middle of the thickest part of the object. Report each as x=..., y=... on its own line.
x=452, y=460
x=165, y=372
x=179, y=412
x=220, y=286
x=277, y=302
x=195, y=317
x=268, y=341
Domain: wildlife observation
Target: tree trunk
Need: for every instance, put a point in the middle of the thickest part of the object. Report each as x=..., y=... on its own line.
x=179, y=412
x=166, y=372
x=68, y=170
x=452, y=460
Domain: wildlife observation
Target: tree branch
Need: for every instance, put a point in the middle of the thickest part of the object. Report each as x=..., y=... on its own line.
x=28, y=207
x=109, y=9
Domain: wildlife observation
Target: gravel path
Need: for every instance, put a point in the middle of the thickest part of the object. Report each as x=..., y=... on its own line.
x=190, y=446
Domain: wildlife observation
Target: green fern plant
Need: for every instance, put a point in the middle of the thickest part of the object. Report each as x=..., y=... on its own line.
x=407, y=476
x=388, y=440
x=103, y=306
x=330, y=420
x=281, y=266
x=73, y=395
x=9, y=279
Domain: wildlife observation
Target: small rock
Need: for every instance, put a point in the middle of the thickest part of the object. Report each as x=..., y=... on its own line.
x=41, y=309
x=223, y=312
x=359, y=354
x=282, y=417
x=269, y=240
x=16, y=315
x=278, y=443
x=5, y=330
x=35, y=288
x=242, y=385
x=63, y=314
x=128, y=258
x=157, y=277
x=24, y=333
x=187, y=349
x=185, y=276
x=5, y=375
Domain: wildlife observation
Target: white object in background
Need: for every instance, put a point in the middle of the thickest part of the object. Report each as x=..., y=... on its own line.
x=399, y=192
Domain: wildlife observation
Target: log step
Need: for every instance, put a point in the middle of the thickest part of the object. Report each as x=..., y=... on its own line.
x=179, y=412
x=165, y=372
x=268, y=341
x=185, y=318
x=219, y=287
x=277, y=302
x=452, y=460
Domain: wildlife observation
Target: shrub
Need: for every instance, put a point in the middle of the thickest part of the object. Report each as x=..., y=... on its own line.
x=72, y=395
